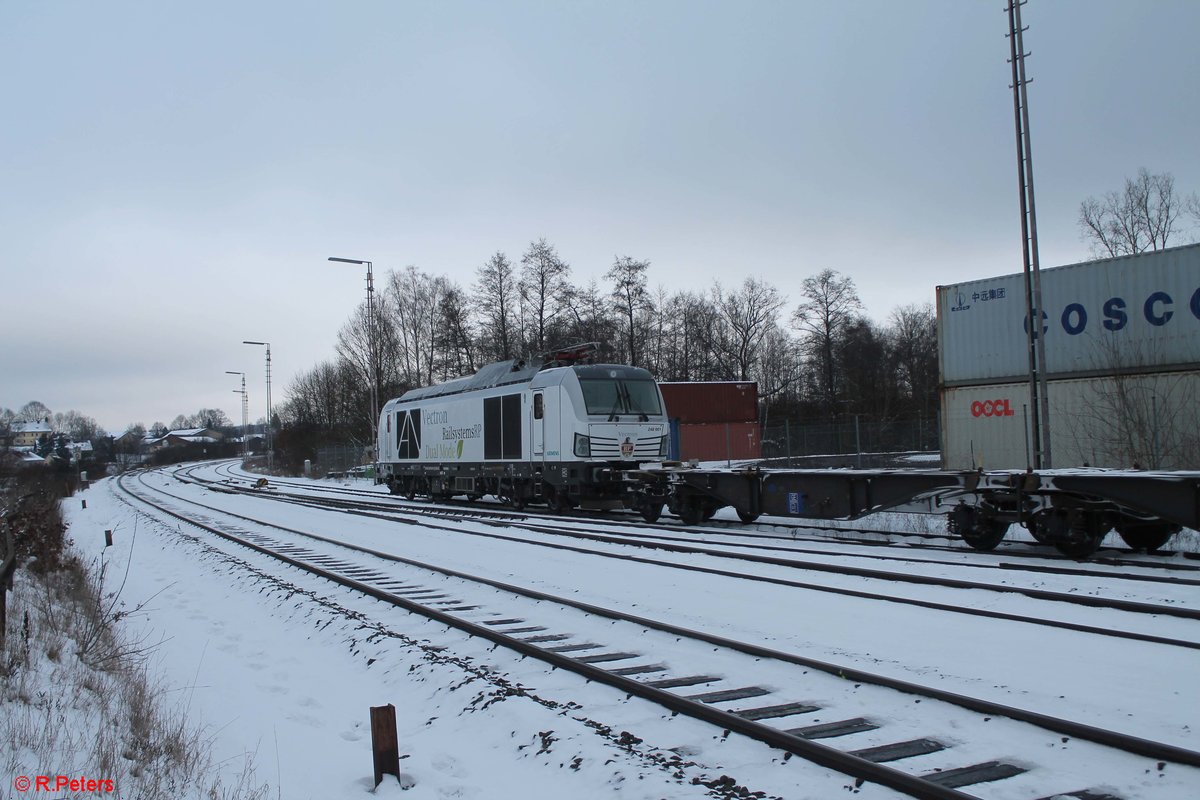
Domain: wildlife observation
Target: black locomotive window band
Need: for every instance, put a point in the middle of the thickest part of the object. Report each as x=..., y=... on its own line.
x=502, y=427
x=408, y=434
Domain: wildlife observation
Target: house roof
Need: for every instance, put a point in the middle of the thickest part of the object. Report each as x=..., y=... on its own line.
x=37, y=426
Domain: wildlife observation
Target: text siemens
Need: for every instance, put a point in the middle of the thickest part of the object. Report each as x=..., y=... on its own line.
x=1158, y=310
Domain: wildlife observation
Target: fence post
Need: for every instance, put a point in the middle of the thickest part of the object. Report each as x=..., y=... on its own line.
x=108, y=538
x=787, y=435
x=857, y=441
x=8, y=565
x=384, y=744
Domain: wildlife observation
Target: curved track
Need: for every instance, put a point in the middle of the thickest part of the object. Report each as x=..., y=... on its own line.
x=511, y=620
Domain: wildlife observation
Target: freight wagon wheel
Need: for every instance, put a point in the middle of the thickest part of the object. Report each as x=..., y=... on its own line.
x=691, y=510
x=651, y=511
x=1042, y=527
x=1148, y=536
x=980, y=531
x=747, y=516
x=1087, y=530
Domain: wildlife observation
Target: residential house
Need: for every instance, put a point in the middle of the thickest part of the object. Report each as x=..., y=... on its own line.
x=26, y=434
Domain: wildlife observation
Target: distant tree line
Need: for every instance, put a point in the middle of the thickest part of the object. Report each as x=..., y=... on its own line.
x=1143, y=216
x=818, y=357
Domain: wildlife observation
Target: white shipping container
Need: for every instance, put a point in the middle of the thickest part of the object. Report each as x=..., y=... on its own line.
x=1134, y=313
x=1149, y=420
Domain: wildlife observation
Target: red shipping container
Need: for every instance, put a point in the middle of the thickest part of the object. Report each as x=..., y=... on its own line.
x=711, y=401
x=720, y=441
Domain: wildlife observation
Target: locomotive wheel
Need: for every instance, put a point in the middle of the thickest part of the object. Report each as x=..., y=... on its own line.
x=410, y=488
x=747, y=516
x=1148, y=536
x=651, y=511
x=980, y=531
x=710, y=511
x=561, y=503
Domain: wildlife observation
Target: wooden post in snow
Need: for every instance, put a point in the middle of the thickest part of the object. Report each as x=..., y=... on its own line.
x=384, y=743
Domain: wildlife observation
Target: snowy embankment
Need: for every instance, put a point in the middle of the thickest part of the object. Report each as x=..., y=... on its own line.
x=284, y=667
x=80, y=715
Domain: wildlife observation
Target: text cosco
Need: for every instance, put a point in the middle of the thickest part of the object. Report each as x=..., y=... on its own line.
x=1158, y=309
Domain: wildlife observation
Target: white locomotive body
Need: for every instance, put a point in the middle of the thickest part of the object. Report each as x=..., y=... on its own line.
x=556, y=431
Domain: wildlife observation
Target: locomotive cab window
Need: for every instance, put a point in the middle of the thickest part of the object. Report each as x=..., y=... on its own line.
x=620, y=396
x=537, y=406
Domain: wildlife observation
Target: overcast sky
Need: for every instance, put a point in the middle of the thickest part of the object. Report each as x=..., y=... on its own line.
x=173, y=176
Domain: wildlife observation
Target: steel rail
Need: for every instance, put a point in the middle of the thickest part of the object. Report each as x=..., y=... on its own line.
x=822, y=755
x=325, y=503
x=1124, y=742
x=731, y=529
x=901, y=577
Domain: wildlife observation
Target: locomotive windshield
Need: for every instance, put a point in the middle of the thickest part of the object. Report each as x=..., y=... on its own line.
x=620, y=396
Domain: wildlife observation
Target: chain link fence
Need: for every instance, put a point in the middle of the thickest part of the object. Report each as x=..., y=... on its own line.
x=853, y=441
x=339, y=460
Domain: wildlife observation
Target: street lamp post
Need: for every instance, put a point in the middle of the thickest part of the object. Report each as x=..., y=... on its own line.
x=270, y=435
x=245, y=412
x=373, y=377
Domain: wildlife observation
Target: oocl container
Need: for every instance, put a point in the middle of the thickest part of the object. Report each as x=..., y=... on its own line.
x=1147, y=420
x=1130, y=314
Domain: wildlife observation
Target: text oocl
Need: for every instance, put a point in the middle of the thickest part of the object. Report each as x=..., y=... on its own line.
x=991, y=408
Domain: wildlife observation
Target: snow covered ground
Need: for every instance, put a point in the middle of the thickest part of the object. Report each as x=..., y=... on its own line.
x=285, y=666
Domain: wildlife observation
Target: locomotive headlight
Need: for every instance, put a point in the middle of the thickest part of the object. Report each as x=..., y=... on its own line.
x=662, y=448
x=583, y=446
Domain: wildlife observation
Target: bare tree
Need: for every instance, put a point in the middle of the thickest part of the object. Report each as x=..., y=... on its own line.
x=413, y=303
x=587, y=319
x=453, y=337
x=747, y=314
x=34, y=411
x=544, y=291
x=630, y=298
x=78, y=427
x=495, y=303
x=829, y=302
x=912, y=335
x=1141, y=217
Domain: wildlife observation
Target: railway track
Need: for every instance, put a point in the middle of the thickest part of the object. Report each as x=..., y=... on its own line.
x=501, y=525
x=839, y=532
x=799, y=705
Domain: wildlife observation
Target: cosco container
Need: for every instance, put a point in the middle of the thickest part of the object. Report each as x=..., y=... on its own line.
x=711, y=401
x=1131, y=314
x=1147, y=420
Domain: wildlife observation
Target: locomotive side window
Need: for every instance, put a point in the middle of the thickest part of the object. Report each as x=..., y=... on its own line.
x=502, y=427
x=537, y=406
